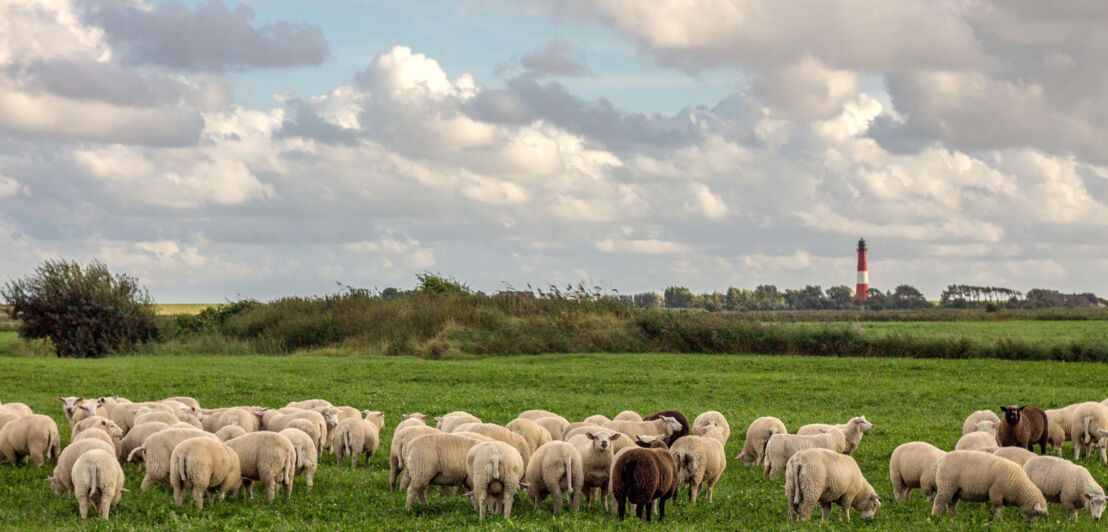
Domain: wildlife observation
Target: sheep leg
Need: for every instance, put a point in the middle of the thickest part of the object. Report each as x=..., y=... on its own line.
x=662, y=508
x=824, y=511
x=482, y=499
x=37, y=453
x=270, y=489
x=996, y=500
x=147, y=481
x=846, y=504
x=405, y=480
x=82, y=505
x=694, y=492
x=393, y=471
x=1103, y=455
x=604, y=496
x=197, y=497
x=1071, y=513
x=941, y=500
x=557, y=496
x=508, y=498
x=106, y=498
x=621, y=506
x=413, y=495
x=178, y=493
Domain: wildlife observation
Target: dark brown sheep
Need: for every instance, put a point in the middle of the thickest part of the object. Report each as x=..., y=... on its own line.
x=674, y=414
x=643, y=475
x=1023, y=426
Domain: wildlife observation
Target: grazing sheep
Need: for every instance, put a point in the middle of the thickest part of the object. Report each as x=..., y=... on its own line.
x=635, y=478
x=315, y=419
x=1067, y=483
x=909, y=465
x=18, y=409
x=97, y=477
x=309, y=404
x=977, y=441
x=975, y=419
x=355, y=437
x=99, y=435
x=307, y=460
x=98, y=422
x=495, y=470
x=187, y=401
x=435, y=459
x=156, y=415
x=62, y=479
x=400, y=438
x=664, y=426
x=34, y=437
x=582, y=430
x=203, y=465
x=556, y=468
x=1023, y=426
x=109, y=403
x=781, y=447
x=532, y=432
x=981, y=477
x=448, y=422
x=137, y=436
x=596, y=419
x=211, y=418
x=822, y=476
x=757, y=436
x=1087, y=419
x=666, y=487
x=677, y=415
x=1018, y=455
x=7, y=418
x=555, y=425
x=710, y=431
x=249, y=420
x=499, y=433
x=853, y=430
x=414, y=419
x=712, y=418
x=267, y=457
x=536, y=414
x=229, y=432
x=156, y=450
x=700, y=462
x=309, y=428
x=597, y=453
x=85, y=409
x=1056, y=432
x=628, y=415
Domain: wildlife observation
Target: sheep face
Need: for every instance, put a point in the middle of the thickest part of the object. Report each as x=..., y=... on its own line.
x=864, y=424
x=672, y=424
x=1095, y=503
x=602, y=442
x=331, y=418
x=1030, y=512
x=88, y=406
x=1012, y=414
x=114, y=430
x=870, y=506
x=59, y=488
x=69, y=404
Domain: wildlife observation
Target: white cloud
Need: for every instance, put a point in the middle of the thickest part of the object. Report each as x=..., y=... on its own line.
x=641, y=247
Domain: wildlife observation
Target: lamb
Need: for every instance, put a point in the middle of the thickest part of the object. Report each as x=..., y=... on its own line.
x=853, y=430
x=495, y=470
x=137, y=436
x=307, y=460
x=499, y=433
x=400, y=438
x=34, y=436
x=267, y=457
x=449, y=421
x=664, y=426
x=439, y=459
x=646, y=476
x=712, y=418
x=911, y=466
x=700, y=462
x=597, y=453
x=414, y=419
x=1018, y=455
x=1067, y=483
x=975, y=419
x=977, y=441
x=62, y=479
x=355, y=437
x=536, y=414
x=757, y=436
x=229, y=432
x=203, y=465
x=824, y=476
x=97, y=477
x=677, y=415
x=628, y=415
x=556, y=467
x=18, y=409
x=532, y=432
x=981, y=477
x=781, y=447
x=555, y=425
x=156, y=450
x=596, y=419
x=309, y=404
x=1087, y=419
x=1023, y=426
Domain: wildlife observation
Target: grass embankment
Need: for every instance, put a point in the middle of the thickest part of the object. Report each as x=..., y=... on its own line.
x=906, y=399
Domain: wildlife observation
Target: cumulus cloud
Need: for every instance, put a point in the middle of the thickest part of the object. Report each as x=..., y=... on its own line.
x=559, y=58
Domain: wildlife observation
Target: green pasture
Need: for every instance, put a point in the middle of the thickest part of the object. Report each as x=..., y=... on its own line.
x=1048, y=332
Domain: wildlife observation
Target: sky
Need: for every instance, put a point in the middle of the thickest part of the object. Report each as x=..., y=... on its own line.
x=220, y=150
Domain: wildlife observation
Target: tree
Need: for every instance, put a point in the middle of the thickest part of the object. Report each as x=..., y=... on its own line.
x=85, y=312
x=840, y=296
x=907, y=296
x=876, y=299
x=679, y=297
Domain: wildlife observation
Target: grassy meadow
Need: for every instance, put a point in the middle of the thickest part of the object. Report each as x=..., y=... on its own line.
x=907, y=399
x=1032, y=331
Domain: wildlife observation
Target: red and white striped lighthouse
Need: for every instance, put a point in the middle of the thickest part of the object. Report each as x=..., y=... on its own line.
x=863, y=274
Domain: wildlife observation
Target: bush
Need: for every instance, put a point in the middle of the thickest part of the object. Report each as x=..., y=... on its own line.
x=85, y=312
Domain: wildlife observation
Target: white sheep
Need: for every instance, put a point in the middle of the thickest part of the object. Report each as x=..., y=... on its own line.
x=415, y=419
x=853, y=430
x=137, y=436
x=152, y=416
x=581, y=430
x=981, y=440
x=156, y=450
x=355, y=437
x=448, y=422
x=62, y=478
x=700, y=462
x=1087, y=419
x=555, y=425
x=249, y=419
x=97, y=422
x=267, y=457
x=597, y=450
x=85, y=409
x=400, y=438
x=187, y=401
x=627, y=415
x=823, y=476
x=555, y=468
x=309, y=428
x=1018, y=455
x=1058, y=426
x=757, y=436
x=97, y=477
x=1067, y=483
x=282, y=421
x=981, y=477
x=532, y=432
x=110, y=402
x=499, y=433
x=975, y=419
x=713, y=418
x=597, y=419
x=663, y=426
x=536, y=414
x=911, y=466
x=69, y=405
x=435, y=459
x=99, y=435
x=309, y=404
x=781, y=447
x=495, y=470
x=203, y=465
x=307, y=460
x=230, y=432
x=18, y=409
x=34, y=437
x=710, y=431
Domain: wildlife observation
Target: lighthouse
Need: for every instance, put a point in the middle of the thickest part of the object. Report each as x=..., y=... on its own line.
x=863, y=274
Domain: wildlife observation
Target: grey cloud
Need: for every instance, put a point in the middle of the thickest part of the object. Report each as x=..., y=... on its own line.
x=209, y=38
x=305, y=122
x=103, y=81
x=559, y=58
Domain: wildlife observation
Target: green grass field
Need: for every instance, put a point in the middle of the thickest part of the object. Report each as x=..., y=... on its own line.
x=906, y=400
x=1049, y=332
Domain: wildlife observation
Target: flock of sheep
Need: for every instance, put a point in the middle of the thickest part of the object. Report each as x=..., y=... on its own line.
x=626, y=462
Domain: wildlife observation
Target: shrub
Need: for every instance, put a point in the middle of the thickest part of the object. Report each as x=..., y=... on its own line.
x=85, y=312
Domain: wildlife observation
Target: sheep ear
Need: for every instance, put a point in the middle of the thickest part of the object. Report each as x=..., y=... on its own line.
x=51, y=479
x=438, y=418
x=875, y=497
x=365, y=412
x=124, y=490
x=422, y=416
x=1038, y=507
x=1021, y=408
x=615, y=436
x=740, y=456
x=590, y=435
x=104, y=422
x=408, y=416
x=60, y=400
x=699, y=431
x=523, y=485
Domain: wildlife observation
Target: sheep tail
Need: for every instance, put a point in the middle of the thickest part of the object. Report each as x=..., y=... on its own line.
x=569, y=475
x=51, y=441
x=131, y=455
x=766, y=443
x=494, y=464
x=93, y=482
x=1086, y=437
x=183, y=467
x=290, y=468
x=798, y=494
x=346, y=447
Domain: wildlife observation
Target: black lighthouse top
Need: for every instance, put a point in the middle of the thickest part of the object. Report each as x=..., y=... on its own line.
x=861, y=244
